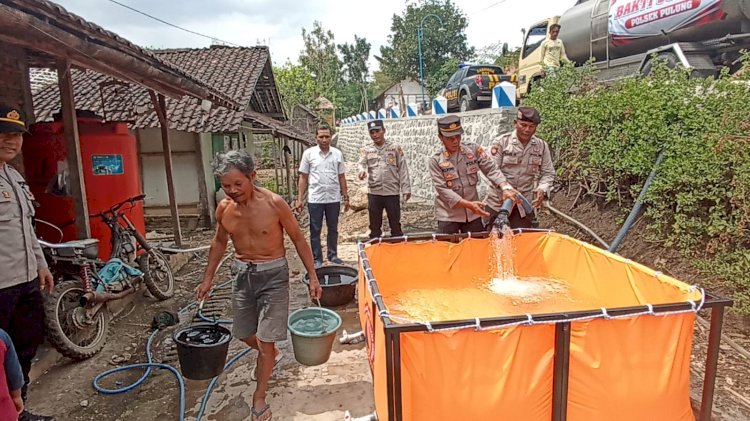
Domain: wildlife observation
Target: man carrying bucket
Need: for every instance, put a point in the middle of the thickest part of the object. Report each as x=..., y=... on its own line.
x=527, y=162
x=385, y=164
x=255, y=219
x=454, y=170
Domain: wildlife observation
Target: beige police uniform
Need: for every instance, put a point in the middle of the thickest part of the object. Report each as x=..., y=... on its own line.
x=387, y=171
x=21, y=256
x=527, y=168
x=455, y=177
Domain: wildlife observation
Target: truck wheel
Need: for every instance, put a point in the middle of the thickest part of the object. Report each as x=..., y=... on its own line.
x=669, y=58
x=466, y=104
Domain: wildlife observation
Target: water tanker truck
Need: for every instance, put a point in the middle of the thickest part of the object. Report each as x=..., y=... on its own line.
x=623, y=37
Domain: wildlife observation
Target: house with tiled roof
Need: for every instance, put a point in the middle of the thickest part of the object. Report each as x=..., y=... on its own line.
x=198, y=129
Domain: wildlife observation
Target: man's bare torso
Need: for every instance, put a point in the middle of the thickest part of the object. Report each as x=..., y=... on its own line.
x=254, y=227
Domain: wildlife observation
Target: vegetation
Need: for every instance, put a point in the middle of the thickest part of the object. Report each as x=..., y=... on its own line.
x=441, y=42
x=607, y=140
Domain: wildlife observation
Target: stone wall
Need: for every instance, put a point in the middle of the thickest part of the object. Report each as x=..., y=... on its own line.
x=418, y=136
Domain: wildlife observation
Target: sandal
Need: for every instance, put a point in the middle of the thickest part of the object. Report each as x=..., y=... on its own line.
x=263, y=415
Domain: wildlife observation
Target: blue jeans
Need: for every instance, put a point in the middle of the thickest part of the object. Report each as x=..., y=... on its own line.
x=331, y=212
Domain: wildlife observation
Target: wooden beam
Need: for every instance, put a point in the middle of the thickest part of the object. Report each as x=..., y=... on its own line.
x=204, y=207
x=137, y=67
x=160, y=107
x=287, y=158
x=70, y=125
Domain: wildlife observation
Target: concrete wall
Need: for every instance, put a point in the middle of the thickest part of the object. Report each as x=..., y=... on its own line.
x=15, y=89
x=418, y=136
x=185, y=164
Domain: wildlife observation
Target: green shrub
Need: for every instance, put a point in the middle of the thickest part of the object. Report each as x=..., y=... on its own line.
x=607, y=138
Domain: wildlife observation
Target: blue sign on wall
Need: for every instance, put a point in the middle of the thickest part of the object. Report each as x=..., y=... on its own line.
x=107, y=164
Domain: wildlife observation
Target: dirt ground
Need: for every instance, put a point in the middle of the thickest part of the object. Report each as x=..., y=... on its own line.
x=344, y=383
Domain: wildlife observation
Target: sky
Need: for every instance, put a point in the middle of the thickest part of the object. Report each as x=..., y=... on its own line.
x=279, y=23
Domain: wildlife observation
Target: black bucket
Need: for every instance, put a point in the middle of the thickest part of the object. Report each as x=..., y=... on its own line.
x=202, y=349
x=338, y=282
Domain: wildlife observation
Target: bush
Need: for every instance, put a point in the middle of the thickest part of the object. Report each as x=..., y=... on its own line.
x=607, y=138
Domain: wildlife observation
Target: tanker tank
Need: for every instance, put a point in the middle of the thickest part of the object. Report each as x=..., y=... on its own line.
x=717, y=18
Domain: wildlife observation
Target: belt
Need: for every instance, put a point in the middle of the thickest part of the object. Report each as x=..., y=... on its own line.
x=242, y=266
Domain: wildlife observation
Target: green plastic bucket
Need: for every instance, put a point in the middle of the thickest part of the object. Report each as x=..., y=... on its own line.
x=312, y=344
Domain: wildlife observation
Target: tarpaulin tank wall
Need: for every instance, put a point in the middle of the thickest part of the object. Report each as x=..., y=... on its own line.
x=111, y=173
x=612, y=340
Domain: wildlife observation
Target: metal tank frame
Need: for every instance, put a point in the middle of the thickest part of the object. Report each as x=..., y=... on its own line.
x=562, y=323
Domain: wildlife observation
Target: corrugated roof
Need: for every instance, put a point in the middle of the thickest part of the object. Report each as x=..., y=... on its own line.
x=233, y=71
x=35, y=19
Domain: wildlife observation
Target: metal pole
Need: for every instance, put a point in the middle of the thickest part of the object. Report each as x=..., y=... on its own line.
x=421, y=71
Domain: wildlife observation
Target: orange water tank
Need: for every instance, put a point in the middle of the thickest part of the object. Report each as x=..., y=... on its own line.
x=111, y=172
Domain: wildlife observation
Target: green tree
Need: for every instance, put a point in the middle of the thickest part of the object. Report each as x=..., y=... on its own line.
x=354, y=92
x=400, y=58
x=501, y=55
x=296, y=86
x=320, y=59
x=438, y=79
x=380, y=82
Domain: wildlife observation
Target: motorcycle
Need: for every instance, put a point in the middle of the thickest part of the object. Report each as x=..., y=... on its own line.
x=78, y=311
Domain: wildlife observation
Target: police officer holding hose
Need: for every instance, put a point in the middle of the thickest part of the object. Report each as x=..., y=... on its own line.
x=526, y=161
x=454, y=170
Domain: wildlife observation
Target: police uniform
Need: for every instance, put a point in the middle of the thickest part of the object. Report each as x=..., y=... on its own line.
x=387, y=178
x=527, y=167
x=455, y=177
x=21, y=259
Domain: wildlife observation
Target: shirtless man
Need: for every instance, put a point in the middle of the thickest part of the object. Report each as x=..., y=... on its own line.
x=255, y=219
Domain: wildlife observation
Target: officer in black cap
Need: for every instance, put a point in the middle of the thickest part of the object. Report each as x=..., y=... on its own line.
x=527, y=162
x=384, y=165
x=25, y=271
x=454, y=170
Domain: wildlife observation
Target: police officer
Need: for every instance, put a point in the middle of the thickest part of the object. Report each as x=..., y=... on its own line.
x=24, y=270
x=527, y=163
x=385, y=164
x=454, y=170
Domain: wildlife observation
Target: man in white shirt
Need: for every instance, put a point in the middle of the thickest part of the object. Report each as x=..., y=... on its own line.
x=322, y=168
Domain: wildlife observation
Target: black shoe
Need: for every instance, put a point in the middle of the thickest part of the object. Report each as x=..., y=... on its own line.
x=336, y=261
x=28, y=416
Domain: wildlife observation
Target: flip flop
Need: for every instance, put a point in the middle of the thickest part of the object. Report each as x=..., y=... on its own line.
x=276, y=365
x=263, y=415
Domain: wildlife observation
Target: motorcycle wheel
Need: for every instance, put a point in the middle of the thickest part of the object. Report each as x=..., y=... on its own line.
x=66, y=325
x=158, y=276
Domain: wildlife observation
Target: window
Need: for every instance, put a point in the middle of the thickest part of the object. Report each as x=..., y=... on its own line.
x=534, y=39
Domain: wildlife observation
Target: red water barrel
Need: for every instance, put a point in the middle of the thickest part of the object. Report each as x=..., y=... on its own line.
x=111, y=173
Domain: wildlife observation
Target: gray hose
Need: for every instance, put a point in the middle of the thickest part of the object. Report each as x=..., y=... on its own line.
x=588, y=230
x=637, y=207
x=192, y=250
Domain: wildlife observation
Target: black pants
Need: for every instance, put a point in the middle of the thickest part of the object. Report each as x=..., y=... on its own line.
x=22, y=316
x=447, y=227
x=392, y=206
x=515, y=219
x=331, y=212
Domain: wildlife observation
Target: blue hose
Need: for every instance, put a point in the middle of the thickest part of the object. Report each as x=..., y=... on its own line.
x=150, y=365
